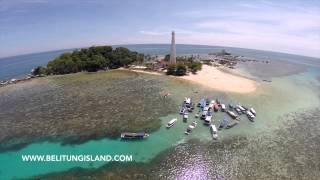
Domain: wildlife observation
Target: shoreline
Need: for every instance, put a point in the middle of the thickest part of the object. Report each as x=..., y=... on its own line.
x=209, y=76
x=214, y=78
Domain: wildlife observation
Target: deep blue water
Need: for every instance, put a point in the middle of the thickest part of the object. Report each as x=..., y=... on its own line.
x=18, y=66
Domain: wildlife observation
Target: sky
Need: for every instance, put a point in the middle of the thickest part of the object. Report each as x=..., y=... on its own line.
x=290, y=26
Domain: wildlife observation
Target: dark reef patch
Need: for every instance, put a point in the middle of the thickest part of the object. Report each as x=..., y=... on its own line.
x=290, y=152
x=75, y=108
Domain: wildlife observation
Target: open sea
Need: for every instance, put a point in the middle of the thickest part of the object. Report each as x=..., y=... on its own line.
x=283, y=143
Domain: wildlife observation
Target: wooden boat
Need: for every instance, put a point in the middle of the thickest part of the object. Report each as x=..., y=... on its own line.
x=172, y=122
x=223, y=123
x=232, y=114
x=232, y=124
x=128, y=135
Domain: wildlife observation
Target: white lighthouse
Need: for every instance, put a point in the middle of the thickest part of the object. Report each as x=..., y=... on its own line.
x=173, y=49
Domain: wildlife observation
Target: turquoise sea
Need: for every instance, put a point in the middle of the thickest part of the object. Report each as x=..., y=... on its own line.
x=294, y=90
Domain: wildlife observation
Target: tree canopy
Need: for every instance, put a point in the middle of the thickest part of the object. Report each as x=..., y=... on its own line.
x=92, y=59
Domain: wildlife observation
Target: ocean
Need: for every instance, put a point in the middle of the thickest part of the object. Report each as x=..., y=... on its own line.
x=19, y=66
x=283, y=142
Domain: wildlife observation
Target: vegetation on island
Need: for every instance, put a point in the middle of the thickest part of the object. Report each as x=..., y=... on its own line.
x=184, y=64
x=90, y=59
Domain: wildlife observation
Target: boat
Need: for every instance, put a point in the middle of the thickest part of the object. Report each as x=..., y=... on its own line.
x=185, y=117
x=223, y=107
x=232, y=114
x=207, y=120
x=204, y=114
x=196, y=115
x=238, y=111
x=250, y=116
x=201, y=103
x=216, y=107
x=242, y=109
x=231, y=107
x=187, y=102
x=206, y=108
x=189, y=129
x=128, y=135
x=223, y=123
x=253, y=111
x=182, y=110
x=232, y=124
x=214, y=131
x=194, y=123
x=172, y=122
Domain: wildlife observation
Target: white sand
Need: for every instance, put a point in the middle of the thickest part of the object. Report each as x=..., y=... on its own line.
x=212, y=77
x=146, y=72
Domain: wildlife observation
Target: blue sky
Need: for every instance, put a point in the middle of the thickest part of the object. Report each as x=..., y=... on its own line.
x=28, y=26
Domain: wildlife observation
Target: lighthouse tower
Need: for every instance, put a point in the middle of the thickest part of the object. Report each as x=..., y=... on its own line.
x=173, y=49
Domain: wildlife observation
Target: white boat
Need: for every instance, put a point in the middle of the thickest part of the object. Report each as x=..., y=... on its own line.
x=194, y=123
x=214, y=131
x=253, y=111
x=189, y=129
x=223, y=107
x=196, y=115
x=232, y=114
x=207, y=121
x=241, y=108
x=187, y=100
x=172, y=122
x=250, y=116
x=185, y=117
x=206, y=108
x=204, y=114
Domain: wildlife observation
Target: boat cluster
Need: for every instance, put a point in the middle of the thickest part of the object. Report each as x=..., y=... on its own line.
x=207, y=109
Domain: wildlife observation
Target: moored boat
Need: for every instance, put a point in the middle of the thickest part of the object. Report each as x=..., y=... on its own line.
x=238, y=111
x=214, y=131
x=232, y=114
x=185, y=117
x=250, y=116
x=128, y=135
x=172, y=122
x=223, y=107
x=189, y=129
x=223, y=123
x=207, y=120
x=253, y=111
x=232, y=124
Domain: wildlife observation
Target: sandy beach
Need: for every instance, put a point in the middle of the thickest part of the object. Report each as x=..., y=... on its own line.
x=214, y=78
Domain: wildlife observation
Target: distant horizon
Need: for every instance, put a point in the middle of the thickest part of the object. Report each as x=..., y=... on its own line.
x=178, y=44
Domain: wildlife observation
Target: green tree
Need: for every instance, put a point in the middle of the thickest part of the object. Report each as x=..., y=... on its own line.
x=171, y=70
x=181, y=70
x=40, y=70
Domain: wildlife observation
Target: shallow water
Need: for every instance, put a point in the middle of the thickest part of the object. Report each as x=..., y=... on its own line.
x=170, y=153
